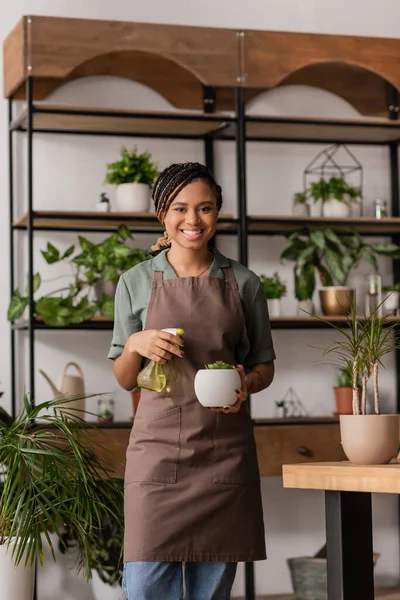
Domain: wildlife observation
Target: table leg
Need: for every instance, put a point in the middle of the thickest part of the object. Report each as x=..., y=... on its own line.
x=349, y=545
x=249, y=581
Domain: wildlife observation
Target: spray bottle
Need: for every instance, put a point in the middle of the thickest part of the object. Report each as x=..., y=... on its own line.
x=152, y=376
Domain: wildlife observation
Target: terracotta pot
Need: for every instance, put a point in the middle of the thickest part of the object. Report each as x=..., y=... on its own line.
x=135, y=401
x=370, y=439
x=344, y=400
x=336, y=300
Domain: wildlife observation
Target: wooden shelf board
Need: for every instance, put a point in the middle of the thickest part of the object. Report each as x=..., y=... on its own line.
x=280, y=225
x=78, y=220
x=91, y=120
x=356, y=130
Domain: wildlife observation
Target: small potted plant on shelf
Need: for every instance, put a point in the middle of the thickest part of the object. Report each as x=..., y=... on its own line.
x=366, y=438
x=106, y=551
x=215, y=385
x=336, y=195
x=103, y=205
x=300, y=207
x=390, y=304
x=344, y=390
x=274, y=289
x=134, y=175
x=51, y=476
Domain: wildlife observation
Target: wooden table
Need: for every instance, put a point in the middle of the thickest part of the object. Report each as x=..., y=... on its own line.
x=348, y=513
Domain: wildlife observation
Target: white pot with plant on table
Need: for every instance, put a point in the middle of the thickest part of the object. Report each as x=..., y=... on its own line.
x=134, y=175
x=274, y=290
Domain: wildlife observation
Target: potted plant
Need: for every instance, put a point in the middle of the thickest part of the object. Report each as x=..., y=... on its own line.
x=106, y=551
x=97, y=266
x=332, y=256
x=366, y=438
x=215, y=385
x=274, y=289
x=134, y=175
x=344, y=390
x=336, y=196
x=51, y=476
x=300, y=205
x=103, y=205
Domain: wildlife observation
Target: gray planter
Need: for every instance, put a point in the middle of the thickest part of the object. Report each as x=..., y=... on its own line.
x=309, y=578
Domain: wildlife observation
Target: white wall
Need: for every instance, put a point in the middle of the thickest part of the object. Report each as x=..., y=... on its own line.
x=68, y=172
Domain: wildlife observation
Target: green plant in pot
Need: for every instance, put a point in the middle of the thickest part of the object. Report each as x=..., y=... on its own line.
x=336, y=195
x=133, y=174
x=274, y=289
x=332, y=256
x=300, y=204
x=106, y=550
x=97, y=267
x=361, y=347
x=215, y=385
x=391, y=293
x=344, y=390
x=51, y=477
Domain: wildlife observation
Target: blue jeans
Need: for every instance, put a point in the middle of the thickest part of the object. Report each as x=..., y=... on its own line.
x=158, y=580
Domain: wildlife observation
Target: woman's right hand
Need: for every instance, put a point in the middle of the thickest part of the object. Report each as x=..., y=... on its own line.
x=156, y=345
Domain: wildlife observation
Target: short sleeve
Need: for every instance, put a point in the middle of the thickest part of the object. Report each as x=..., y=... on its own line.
x=258, y=330
x=125, y=321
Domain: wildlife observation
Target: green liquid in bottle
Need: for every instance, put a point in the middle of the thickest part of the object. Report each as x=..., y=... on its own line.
x=152, y=377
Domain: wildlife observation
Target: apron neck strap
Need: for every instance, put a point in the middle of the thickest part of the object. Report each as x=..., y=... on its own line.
x=229, y=276
x=158, y=276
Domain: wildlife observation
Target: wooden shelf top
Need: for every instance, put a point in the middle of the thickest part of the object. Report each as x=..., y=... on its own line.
x=343, y=476
x=369, y=131
x=257, y=224
x=52, y=118
x=79, y=221
x=281, y=225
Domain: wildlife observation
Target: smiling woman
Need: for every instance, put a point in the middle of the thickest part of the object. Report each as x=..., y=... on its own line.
x=182, y=453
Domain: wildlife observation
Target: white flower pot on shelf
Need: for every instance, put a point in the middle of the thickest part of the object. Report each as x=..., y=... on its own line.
x=300, y=210
x=103, y=207
x=133, y=197
x=391, y=303
x=105, y=591
x=304, y=307
x=16, y=582
x=274, y=307
x=336, y=209
x=216, y=387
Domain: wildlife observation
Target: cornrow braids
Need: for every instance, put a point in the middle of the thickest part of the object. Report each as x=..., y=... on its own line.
x=170, y=182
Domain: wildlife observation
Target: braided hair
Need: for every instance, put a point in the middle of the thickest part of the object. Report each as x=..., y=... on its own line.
x=170, y=182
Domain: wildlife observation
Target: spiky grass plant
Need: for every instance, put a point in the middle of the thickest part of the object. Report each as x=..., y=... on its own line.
x=364, y=343
x=51, y=476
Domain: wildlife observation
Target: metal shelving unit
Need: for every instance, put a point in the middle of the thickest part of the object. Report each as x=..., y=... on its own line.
x=207, y=128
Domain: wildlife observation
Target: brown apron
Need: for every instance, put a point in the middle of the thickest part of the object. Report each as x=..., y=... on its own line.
x=192, y=484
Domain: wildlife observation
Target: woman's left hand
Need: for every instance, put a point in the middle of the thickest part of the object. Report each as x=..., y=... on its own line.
x=241, y=394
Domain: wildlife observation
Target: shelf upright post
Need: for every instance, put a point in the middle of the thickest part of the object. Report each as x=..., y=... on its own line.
x=209, y=107
x=11, y=249
x=31, y=331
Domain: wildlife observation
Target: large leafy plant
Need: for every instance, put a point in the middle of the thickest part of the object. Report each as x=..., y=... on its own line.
x=52, y=477
x=326, y=189
x=330, y=255
x=73, y=304
x=133, y=167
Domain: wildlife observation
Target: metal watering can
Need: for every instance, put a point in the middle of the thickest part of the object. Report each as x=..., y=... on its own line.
x=71, y=385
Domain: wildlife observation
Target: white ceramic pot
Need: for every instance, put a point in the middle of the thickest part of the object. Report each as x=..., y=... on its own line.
x=370, y=439
x=304, y=307
x=103, y=207
x=104, y=591
x=216, y=387
x=274, y=307
x=300, y=210
x=16, y=583
x=335, y=209
x=391, y=302
x=133, y=197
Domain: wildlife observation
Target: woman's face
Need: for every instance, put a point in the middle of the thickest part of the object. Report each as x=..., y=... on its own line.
x=191, y=219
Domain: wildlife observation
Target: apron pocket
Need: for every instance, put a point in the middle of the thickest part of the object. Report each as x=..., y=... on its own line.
x=153, y=451
x=235, y=456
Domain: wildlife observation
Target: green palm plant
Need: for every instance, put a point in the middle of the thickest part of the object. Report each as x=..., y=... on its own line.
x=360, y=349
x=52, y=477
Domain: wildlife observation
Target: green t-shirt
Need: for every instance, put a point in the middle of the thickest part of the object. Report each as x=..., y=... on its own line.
x=133, y=295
